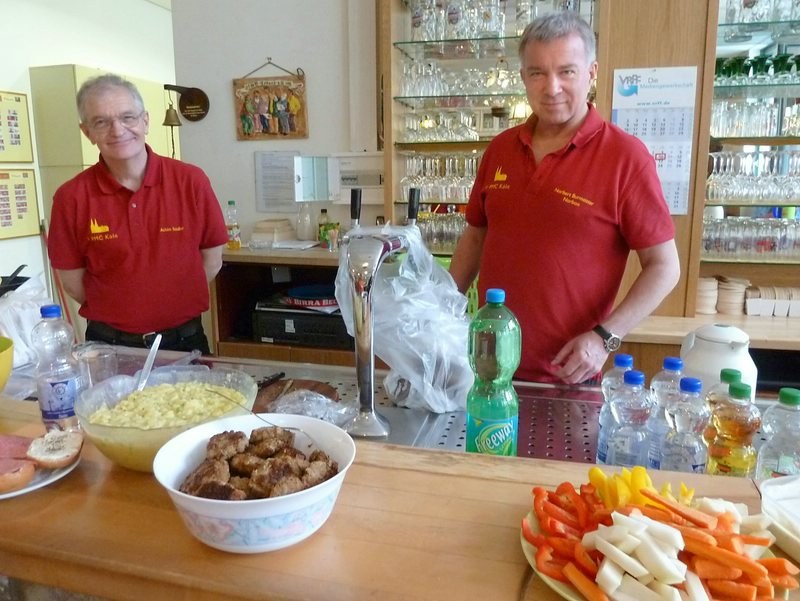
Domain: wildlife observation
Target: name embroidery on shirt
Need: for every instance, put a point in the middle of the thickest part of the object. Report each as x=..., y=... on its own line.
x=171, y=228
x=573, y=199
x=499, y=178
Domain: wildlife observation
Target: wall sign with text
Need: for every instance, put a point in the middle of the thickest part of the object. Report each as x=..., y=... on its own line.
x=19, y=209
x=15, y=129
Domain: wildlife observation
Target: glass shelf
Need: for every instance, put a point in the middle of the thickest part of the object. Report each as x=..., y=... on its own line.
x=762, y=141
x=757, y=33
x=764, y=261
x=459, y=101
x=445, y=145
x=745, y=203
x=490, y=49
x=757, y=90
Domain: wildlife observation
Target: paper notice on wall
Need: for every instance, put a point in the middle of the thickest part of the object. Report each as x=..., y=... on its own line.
x=275, y=175
x=657, y=106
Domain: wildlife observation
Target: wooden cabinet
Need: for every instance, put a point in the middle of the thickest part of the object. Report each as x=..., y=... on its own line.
x=248, y=276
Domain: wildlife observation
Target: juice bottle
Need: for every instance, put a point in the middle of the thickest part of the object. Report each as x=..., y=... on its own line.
x=736, y=421
x=719, y=392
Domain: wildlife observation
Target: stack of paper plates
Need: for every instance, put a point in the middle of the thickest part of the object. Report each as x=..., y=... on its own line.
x=730, y=296
x=706, y=296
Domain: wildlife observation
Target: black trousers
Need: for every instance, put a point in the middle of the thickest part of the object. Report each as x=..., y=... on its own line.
x=186, y=337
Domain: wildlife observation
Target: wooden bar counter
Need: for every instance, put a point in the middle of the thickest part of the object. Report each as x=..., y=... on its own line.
x=408, y=524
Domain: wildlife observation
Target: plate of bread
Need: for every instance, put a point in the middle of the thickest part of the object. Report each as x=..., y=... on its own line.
x=27, y=464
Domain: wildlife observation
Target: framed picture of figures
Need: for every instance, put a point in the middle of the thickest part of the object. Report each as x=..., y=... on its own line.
x=270, y=108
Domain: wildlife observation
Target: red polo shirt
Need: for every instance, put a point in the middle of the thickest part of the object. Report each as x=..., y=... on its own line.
x=559, y=233
x=141, y=250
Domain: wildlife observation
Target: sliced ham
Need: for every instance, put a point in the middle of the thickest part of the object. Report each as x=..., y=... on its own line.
x=14, y=447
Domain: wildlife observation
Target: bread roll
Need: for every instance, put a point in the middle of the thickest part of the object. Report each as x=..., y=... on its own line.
x=15, y=474
x=56, y=449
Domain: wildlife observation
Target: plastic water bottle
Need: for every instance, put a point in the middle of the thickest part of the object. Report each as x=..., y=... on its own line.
x=780, y=455
x=58, y=376
x=664, y=389
x=717, y=394
x=684, y=449
x=232, y=224
x=736, y=421
x=631, y=407
x=495, y=346
x=611, y=382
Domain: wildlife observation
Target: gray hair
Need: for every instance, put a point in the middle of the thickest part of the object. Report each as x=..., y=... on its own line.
x=556, y=25
x=105, y=82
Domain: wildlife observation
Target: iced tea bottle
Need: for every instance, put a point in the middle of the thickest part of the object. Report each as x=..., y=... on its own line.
x=736, y=421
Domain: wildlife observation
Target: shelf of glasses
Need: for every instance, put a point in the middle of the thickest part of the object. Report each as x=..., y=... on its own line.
x=741, y=33
x=459, y=101
x=753, y=203
x=763, y=140
x=488, y=48
x=443, y=146
x=759, y=261
x=757, y=90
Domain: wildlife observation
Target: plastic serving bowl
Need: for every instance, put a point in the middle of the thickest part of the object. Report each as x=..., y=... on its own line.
x=135, y=448
x=254, y=525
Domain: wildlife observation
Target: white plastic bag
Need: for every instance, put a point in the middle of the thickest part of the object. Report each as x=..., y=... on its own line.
x=420, y=326
x=19, y=313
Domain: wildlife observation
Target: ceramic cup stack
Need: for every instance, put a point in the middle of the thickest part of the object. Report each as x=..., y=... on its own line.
x=707, y=289
x=730, y=296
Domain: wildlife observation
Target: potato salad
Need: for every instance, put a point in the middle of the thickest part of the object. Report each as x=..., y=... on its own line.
x=169, y=405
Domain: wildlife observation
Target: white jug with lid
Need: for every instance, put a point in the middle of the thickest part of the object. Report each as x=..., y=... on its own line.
x=714, y=347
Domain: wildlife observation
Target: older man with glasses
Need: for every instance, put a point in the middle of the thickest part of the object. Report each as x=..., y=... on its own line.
x=135, y=238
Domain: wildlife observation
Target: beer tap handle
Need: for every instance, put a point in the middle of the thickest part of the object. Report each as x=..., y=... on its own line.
x=355, y=207
x=413, y=205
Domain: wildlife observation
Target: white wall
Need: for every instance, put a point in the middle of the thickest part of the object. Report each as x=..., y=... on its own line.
x=333, y=41
x=128, y=36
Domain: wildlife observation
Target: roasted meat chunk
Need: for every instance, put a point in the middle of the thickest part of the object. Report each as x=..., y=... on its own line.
x=226, y=444
x=211, y=470
x=244, y=464
x=267, y=441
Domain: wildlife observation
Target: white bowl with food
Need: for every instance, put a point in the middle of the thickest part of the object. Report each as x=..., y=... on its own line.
x=238, y=523
x=129, y=426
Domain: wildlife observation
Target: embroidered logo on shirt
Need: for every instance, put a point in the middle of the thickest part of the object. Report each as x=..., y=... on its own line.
x=96, y=228
x=572, y=198
x=499, y=176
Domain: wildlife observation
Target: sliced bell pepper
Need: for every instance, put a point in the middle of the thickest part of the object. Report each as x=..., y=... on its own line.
x=537, y=539
x=548, y=565
x=584, y=561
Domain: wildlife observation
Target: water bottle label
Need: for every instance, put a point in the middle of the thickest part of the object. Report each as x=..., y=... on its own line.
x=602, y=445
x=492, y=437
x=785, y=466
x=57, y=399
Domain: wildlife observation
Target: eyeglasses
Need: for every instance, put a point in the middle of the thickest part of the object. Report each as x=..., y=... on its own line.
x=127, y=120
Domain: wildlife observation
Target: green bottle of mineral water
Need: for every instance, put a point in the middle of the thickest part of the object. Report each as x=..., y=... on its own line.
x=495, y=345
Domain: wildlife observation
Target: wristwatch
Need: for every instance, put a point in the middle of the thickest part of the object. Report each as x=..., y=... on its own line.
x=611, y=342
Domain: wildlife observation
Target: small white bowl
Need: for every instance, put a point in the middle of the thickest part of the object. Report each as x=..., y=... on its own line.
x=254, y=525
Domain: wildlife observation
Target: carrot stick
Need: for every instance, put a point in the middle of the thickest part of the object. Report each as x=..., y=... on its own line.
x=747, y=539
x=581, y=582
x=735, y=590
x=695, y=516
x=726, y=522
x=659, y=514
x=744, y=563
x=786, y=581
x=698, y=534
x=779, y=565
x=731, y=543
x=709, y=569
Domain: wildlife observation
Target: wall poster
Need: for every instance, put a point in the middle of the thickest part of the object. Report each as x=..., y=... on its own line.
x=19, y=208
x=270, y=108
x=15, y=129
x=657, y=106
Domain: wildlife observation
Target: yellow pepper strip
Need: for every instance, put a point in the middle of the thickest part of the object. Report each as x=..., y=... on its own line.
x=666, y=491
x=686, y=494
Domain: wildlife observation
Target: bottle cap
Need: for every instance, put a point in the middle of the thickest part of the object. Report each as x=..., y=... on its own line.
x=231, y=203
x=50, y=311
x=495, y=295
x=789, y=396
x=623, y=360
x=691, y=385
x=673, y=363
x=634, y=377
x=740, y=390
x=729, y=375
x=324, y=211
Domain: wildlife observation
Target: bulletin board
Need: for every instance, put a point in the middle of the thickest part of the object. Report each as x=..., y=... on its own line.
x=19, y=208
x=15, y=129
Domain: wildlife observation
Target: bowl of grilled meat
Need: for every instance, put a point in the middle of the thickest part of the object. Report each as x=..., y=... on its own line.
x=255, y=483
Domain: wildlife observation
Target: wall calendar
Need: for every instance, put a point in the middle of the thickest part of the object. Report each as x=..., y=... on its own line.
x=15, y=129
x=19, y=208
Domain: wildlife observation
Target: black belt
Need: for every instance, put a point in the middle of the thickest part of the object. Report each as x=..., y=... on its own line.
x=115, y=336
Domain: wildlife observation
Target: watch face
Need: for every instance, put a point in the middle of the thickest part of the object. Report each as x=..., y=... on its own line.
x=613, y=343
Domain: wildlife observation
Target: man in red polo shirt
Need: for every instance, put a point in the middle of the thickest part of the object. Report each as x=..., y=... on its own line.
x=557, y=205
x=136, y=237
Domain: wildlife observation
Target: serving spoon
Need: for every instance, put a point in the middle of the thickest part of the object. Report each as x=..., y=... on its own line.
x=148, y=363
